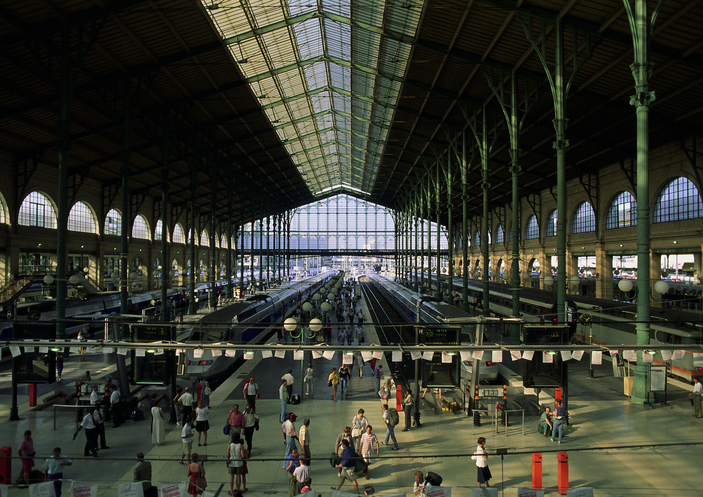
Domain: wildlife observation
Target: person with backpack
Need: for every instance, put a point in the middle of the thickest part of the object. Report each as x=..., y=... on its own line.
x=391, y=418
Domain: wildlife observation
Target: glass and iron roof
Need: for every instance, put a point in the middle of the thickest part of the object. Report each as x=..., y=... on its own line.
x=327, y=74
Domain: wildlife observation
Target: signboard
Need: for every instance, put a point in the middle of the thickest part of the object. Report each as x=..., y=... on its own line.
x=657, y=378
x=438, y=372
x=152, y=368
x=538, y=373
x=33, y=366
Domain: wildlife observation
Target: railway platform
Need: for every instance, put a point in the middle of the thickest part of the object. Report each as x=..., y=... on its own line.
x=614, y=446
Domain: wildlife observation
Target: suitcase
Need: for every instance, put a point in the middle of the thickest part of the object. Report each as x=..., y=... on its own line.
x=295, y=399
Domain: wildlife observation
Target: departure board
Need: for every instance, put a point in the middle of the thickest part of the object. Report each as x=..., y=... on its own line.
x=437, y=373
x=152, y=368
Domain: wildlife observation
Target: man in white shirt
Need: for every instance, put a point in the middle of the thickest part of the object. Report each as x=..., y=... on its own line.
x=115, y=407
x=252, y=393
x=289, y=383
x=94, y=396
x=302, y=472
x=188, y=403
x=250, y=419
x=99, y=420
x=187, y=439
x=91, y=435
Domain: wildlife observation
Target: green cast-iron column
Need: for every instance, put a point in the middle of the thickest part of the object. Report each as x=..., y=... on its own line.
x=642, y=71
x=450, y=235
x=126, y=215
x=165, y=259
x=485, y=186
x=192, y=309
x=438, y=210
x=465, y=221
x=214, y=274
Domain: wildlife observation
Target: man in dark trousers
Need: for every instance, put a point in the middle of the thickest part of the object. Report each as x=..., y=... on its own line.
x=91, y=433
x=142, y=473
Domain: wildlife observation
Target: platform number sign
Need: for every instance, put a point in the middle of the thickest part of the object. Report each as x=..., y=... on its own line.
x=152, y=368
x=435, y=373
x=536, y=373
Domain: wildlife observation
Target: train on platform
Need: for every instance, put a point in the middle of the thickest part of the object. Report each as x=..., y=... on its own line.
x=601, y=321
x=436, y=313
x=241, y=323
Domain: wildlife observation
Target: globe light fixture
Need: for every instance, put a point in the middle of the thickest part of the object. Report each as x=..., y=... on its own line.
x=307, y=307
x=74, y=279
x=290, y=324
x=625, y=285
x=548, y=280
x=574, y=281
x=661, y=287
x=315, y=325
x=325, y=307
x=49, y=279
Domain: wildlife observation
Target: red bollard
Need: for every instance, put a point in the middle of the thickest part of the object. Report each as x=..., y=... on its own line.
x=563, y=478
x=6, y=465
x=399, y=398
x=557, y=395
x=32, y=395
x=537, y=470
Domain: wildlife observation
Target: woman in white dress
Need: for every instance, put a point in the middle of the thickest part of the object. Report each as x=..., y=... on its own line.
x=158, y=429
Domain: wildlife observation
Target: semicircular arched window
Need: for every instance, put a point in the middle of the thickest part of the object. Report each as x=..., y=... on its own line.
x=622, y=212
x=37, y=210
x=178, y=234
x=140, y=229
x=679, y=200
x=532, y=230
x=113, y=223
x=500, y=234
x=81, y=219
x=552, y=219
x=584, y=219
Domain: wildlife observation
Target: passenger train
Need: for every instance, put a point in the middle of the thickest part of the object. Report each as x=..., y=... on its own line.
x=242, y=323
x=431, y=313
x=607, y=322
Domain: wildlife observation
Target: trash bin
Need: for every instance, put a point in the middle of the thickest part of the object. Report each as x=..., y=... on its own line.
x=6, y=465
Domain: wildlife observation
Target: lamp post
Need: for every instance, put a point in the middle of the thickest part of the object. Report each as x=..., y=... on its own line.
x=309, y=332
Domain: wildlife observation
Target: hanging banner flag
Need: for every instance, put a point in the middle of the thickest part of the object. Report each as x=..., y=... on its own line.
x=15, y=351
x=142, y=353
x=366, y=355
x=316, y=354
x=478, y=355
x=396, y=356
x=230, y=352
x=415, y=355
x=248, y=355
x=110, y=350
x=497, y=355
x=565, y=355
x=197, y=353
x=84, y=490
x=159, y=352
x=666, y=355
x=120, y=350
x=378, y=355
x=130, y=490
x=547, y=358
x=215, y=352
x=45, y=489
x=428, y=355
x=347, y=358
x=647, y=358
x=298, y=355
x=597, y=357
x=629, y=355
x=267, y=354
x=446, y=358
x=280, y=354
x=528, y=355
x=465, y=355
x=172, y=490
x=577, y=354
x=677, y=356
x=43, y=350
x=29, y=350
x=328, y=354
x=515, y=355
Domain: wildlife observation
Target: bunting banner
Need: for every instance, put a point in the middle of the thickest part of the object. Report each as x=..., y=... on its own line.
x=446, y=358
x=597, y=357
x=528, y=355
x=280, y=354
x=547, y=358
x=497, y=355
x=396, y=356
x=577, y=354
x=478, y=355
x=84, y=490
x=172, y=490
x=515, y=355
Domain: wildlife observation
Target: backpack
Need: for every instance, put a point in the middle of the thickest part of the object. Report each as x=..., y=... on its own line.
x=433, y=479
x=137, y=415
x=393, y=418
x=245, y=387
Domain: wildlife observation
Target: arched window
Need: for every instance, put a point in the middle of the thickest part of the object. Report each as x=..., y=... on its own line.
x=223, y=241
x=532, y=230
x=36, y=210
x=552, y=223
x=3, y=211
x=622, y=212
x=679, y=200
x=477, y=239
x=81, y=219
x=500, y=234
x=584, y=219
x=113, y=223
x=204, y=239
x=159, y=230
x=178, y=234
x=140, y=229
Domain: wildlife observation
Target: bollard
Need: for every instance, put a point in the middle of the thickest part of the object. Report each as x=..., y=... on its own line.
x=6, y=465
x=563, y=478
x=32, y=395
x=399, y=397
x=557, y=395
x=537, y=470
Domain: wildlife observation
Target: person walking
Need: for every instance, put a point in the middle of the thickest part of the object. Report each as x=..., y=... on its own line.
x=158, y=429
x=338, y=448
x=288, y=429
x=304, y=439
x=344, y=379
x=250, y=421
x=289, y=384
x=696, y=394
x=333, y=381
x=25, y=450
x=196, y=475
x=235, y=419
x=53, y=469
x=359, y=424
x=346, y=466
x=236, y=454
x=187, y=439
x=307, y=379
x=187, y=403
x=481, y=458
x=205, y=391
x=407, y=409
x=251, y=393
x=91, y=435
x=377, y=375
x=202, y=425
x=367, y=442
x=559, y=420
x=389, y=419
x=178, y=407
x=59, y=370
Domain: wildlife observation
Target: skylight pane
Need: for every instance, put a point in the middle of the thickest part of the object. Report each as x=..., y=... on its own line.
x=309, y=39
x=338, y=37
x=339, y=7
x=341, y=102
x=321, y=102
x=266, y=13
x=297, y=7
x=316, y=74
